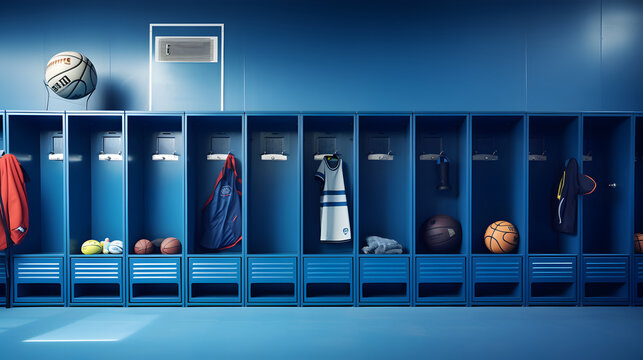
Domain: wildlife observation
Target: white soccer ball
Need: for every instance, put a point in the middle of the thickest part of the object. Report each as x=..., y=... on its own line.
x=116, y=247
x=71, y=75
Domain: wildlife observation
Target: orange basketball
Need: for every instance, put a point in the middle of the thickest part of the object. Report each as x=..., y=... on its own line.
x=171, y=245
x=638, y=242
x=501, y=237
x=143, y=246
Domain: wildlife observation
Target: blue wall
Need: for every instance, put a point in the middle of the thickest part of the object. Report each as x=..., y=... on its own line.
x=349, y=55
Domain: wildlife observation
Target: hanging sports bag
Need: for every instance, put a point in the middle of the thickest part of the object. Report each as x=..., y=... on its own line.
x=221, y=214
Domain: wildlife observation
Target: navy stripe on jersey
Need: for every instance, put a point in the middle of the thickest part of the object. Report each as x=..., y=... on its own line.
x=334, y=192
x=334, y=204
x=320, y=176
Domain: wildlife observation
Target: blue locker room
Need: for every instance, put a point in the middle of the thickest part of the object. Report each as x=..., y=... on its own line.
x=321, y=179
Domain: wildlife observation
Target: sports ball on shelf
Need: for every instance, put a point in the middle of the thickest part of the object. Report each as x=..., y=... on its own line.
x=91, y=247
x=143, y=246
x=638, y=243
x=71, y=75
x=116, y=247
x=501, y=237
x=171, y=245
x=441, y=234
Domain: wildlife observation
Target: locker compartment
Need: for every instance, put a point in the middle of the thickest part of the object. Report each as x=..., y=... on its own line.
x=96, y=280
x=553, y=139
x=497, y=280
x=210, y=138
x=385, y=179
x=154, y=280
x=272, y=280
x=214, y=280
x=437, y=135
x=38, y=280
x=328, y=280
x=273, y=201
x=440, y=280
x=155, y=184
x=95, y=183
x=384, y=280
x=606, y=280
x=3, y=279
x=552, y=279
x=638, y=286
x=607, y=215
x=498, y=177
x=37, y=141
x=326, y=134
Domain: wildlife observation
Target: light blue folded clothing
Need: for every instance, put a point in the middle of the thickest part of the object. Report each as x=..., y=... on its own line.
x=380, y=245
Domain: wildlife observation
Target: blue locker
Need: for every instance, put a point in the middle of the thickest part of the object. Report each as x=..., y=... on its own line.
x=97, y=280
x=497, y=280
x=155, y=280
x=38, y=280
x=638, y=285
x=328, y=280
x=606, y=280
x=440, y=280
x=384, y=280
x=214, y=280
x=3, y=279
x=552, y=280
x=272, y=280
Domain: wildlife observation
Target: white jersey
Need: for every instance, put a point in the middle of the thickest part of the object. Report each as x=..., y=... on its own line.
x=335, y=224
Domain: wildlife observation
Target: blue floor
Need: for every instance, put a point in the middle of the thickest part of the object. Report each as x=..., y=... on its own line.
x=322, y=333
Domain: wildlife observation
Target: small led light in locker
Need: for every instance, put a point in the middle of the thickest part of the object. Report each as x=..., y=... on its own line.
x=165, y=148
x=431, y=147
x=484, y=149
x=380, y=148
x=219, y=147
x=57, y=147
x=274, y=148
x=111, y=147
x=326, y=146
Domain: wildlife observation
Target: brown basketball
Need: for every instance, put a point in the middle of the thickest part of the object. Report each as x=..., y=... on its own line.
x=143, y=246
x=638, y=243
x=171, y=245
x=501, y=237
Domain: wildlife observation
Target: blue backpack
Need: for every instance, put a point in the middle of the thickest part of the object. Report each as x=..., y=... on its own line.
x=221, y=214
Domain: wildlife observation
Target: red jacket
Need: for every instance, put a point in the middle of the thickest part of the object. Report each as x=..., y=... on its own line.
x=14, y=212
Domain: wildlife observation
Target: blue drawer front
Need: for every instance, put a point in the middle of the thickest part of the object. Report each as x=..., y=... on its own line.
x=38, y=280
x=497, y=270
x=608, y=269
x=272, y=280
x=214, y=280
x=552, y=269
x=209, y=270
x=272, y=270
x=154, y=270
x=639, y=269
x=3, y=279
x=96, y=271
x=328, y=280
x=638, y=285
x=440, y=270
x=384, y=280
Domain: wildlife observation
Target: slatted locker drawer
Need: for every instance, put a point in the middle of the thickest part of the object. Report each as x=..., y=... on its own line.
x=552, y=279
x=384, y=279
x=214, y=279
x=328, y=279
x=155, y=279
x=606, y=280
x=96, y=280
x=440, y=279
x=272, y=279
x=38, y=280
x=3, y=280
x=638, y=286
x=497, y=279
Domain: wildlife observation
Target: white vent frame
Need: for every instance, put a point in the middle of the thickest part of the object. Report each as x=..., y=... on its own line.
x=151, y=54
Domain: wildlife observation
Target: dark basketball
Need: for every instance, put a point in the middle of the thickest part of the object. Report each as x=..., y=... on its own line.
x=638, y=242
x=441, y=234
x=143, y=246
x=171, y=245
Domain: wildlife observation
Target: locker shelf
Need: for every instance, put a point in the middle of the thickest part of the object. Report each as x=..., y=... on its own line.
x=38, y=280
x=154, y=280
x=328, y=280
x=155, y=198
x=97, y=280
x=497, y=279
x=605, y=280
x=384, y=279
x=209, y=134
x=557, y=137
x=552, y=279
x=95, y=187
x=325, y=134
x=214, y=280
x=272, y=280
x=440, y=280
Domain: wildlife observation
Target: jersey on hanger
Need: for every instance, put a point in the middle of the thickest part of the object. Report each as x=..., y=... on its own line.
x=335, y=224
